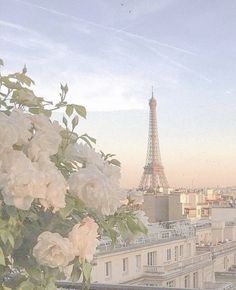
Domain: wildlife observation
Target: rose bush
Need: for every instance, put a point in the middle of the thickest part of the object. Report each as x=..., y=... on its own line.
x=57, y=194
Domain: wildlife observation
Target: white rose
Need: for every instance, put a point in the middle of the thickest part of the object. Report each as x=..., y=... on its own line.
x=20, y=180
x=43, y=123
x=96, y=189
x=136, y=196
x=43, y=143
x=46, y=139
x=84, y=239
x=23, y=126
x=8, y=133
x=56, y=186
x=84, y=154
x=53, y=250
x=113, y=173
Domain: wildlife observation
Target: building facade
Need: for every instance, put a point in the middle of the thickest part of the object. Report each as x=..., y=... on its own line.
x=175, y=255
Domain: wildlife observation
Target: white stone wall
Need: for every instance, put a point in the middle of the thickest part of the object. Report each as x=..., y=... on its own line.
x=118, y=276
x=225, y=214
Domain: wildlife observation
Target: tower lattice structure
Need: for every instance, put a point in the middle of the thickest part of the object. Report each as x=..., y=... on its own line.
x=153, y=177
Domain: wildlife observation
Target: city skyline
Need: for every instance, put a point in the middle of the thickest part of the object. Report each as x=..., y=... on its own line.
x=183, y=48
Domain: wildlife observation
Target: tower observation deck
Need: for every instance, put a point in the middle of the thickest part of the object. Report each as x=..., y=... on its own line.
x=153, y=178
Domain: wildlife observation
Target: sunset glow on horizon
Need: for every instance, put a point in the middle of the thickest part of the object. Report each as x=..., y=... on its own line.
x=111, y=55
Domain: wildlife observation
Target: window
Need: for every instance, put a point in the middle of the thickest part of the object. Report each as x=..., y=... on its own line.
x=138, y=263
x=170, y=283
x=186, y=281
x=152, y=258
x=195, y=280
x=165, y=235
x=176, y=253
x=168, y=254
x=225, y=263
x=189, y=249
x=125, y=265
x=181, y=251
x=108, y=269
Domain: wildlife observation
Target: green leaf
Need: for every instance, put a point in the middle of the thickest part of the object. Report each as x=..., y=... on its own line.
x=115, y=162
x=87, y=139
x=22, y=78
x=93, y=140
x=11, y=240
x=80, y=110
x=51, y=285
x=69, y=110
x=122, y=227
x=26, y=285
x=34, y=273
x=11, y=85
x=76, y=272
x=133, y=227
x=87, y=268
x=2, y=223
x=5, y=288
x=11, y=211
x=4, y=236
x=142, y=227
x=64, y=121
x=64, y=212
x=79, y=204
x=15, y=281
x=47, y=113
x=34, y=110
x=75, y=122
x=2, y=258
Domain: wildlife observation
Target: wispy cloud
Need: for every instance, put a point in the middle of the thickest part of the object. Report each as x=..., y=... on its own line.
x=28, y=39
x=12, y=25
x=109, y=28
x=179, y=64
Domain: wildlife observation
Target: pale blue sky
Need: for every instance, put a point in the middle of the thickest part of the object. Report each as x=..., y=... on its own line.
x=111, y=52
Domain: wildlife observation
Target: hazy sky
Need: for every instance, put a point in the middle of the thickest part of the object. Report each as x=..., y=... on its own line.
x=111, y=52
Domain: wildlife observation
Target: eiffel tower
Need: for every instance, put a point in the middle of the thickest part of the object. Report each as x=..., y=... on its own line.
x=153, y=179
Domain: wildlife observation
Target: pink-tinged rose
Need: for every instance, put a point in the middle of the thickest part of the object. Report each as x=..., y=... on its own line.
x=84, y=239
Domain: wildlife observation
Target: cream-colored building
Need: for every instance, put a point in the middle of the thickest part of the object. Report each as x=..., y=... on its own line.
x=226, y=214
x=162, y=207
x=174, y=254
x=199, y=204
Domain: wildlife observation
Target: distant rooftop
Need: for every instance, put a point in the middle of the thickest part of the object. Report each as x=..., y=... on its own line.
x=157, y=233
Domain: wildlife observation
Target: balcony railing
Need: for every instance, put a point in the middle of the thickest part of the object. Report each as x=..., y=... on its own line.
x=180, y=265
x=218, y=249
x=77, y=286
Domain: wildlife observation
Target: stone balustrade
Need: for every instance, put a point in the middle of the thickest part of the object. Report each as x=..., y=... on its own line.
x=180, y=265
